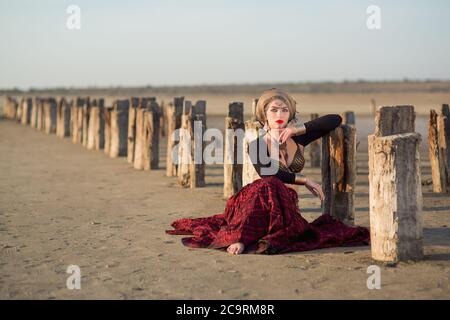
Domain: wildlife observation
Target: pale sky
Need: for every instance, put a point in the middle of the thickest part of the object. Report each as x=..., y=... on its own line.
x=139, y=43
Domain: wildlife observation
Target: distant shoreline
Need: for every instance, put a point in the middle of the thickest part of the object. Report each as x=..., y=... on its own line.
x=361, y=86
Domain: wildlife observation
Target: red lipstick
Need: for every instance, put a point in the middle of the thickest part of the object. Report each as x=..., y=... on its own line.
x=279, y=121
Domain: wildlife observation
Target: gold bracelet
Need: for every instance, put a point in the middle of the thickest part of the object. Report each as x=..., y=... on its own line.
x=300, y=179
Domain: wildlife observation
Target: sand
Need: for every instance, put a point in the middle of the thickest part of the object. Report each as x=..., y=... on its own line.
x=62, y=205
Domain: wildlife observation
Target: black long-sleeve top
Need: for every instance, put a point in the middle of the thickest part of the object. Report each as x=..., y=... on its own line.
x=315, y=129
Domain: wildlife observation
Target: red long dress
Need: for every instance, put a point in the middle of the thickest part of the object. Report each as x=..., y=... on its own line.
x=264, y=216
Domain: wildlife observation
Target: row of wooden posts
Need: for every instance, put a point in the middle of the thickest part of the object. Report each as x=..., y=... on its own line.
x=132, y=128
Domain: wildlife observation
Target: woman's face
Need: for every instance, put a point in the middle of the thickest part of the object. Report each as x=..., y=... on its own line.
x=277, y=114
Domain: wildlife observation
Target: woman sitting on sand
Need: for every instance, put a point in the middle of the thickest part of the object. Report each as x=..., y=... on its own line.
x=264, y=217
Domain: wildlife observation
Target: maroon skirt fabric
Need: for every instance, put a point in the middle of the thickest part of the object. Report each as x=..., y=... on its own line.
x=265, y=217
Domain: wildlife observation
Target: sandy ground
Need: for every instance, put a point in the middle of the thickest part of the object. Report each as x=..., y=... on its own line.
x=62, y=205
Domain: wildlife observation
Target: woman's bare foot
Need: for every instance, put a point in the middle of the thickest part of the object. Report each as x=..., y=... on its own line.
x=236, y=248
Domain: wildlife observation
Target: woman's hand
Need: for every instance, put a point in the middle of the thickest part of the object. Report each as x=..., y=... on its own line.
x=286, y=133
x=315, y=189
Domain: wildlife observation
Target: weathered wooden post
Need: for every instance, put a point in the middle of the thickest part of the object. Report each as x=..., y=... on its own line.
x=192, y=168
x=198, y=127
x=96, y=125
x=34, y=112
x=10, y=108
x=349, y=118
x=77, y=119
x=184, y=146
x=19, y=111
x=63, y=113
x=49, y=115
x=445, y=111
x=137, y=145
x=85, y=125
x=134, y=103
x=173, y=115
x=162, y=120
x=252, y=127
x=339, y=173
x=27, y=104
x=119, y=128
x=234, y=134
x=314, y=148
x=152, y=116
x=437, y=147
x=107, y=118
x=395, y=186
x=40, y=115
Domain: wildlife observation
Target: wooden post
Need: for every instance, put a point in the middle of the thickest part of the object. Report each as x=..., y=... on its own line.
x=96, y=125
x=197, y=128
x=40, y=115
x=232, y=167
x=107, y=117
x=26, y=111
x=76, y=119
x=152, y=117
x=339, y=173
x=184, y=146
x=445, y=111
x=50, y=115
x=314, y=148
x=138, y=139
x=119, y=128
x=252, y=127
x=349, y=118
x=162, y=120
x=173, y=115
x=395, y=195
x=63, y=113
x=437, y=148
x=134, y=103
x=10, y=108
x=34, y=112
x=394, y=120
x=86, y=115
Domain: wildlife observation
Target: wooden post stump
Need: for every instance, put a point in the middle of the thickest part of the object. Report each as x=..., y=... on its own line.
x=10, y=108
x=232, y=168
x=395, y=186
x=107, y=118
x=134, y=103
x=77, y=119
x=184, y=146
x=437, y=147
x=395, y=197
x=27, y=104
x=40, y=115
x=119, y=128
x=193, y=123
x=85, y=125
x=315, y=149
x=63, y=113
x=49, y=115
x=445, y=111
x=173, y=115
x=96, y=126
x=349, y=118
x=394, y=120
x=152, y=117
x=34, y=113
x=197, y=128
x=339, y=173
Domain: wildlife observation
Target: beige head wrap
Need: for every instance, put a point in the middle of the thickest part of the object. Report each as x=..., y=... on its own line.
x=270, y=95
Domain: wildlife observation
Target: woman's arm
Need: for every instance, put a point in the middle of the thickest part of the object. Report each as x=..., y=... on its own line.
x=317, y=128
x=263, y=169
